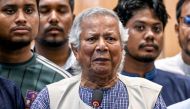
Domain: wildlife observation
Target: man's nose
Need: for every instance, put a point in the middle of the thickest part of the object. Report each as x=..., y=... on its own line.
x=21, y=18
x=149, y=34
x=101, y=45
x=53, y=18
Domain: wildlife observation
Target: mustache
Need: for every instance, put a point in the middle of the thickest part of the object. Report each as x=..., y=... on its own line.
x=155, y=46
x=54, y=28
x=21, y=27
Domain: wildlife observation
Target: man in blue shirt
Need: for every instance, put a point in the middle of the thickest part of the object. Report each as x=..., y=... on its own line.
x=183, y=29
x=146, y=20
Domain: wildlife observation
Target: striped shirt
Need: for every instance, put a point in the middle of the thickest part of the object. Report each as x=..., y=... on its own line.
x=32, y=76
x=113, y=98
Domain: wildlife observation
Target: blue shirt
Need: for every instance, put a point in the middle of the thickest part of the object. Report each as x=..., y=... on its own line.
x=175, y=87
x=113, y=98
x=10, y=95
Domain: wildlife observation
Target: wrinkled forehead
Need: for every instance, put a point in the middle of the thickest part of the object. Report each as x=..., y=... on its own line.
x=99, y=20
x=98, y=17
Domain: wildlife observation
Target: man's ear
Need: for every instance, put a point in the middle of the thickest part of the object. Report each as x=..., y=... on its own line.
x=177, y=28
x=75, y=51
x=73, y=16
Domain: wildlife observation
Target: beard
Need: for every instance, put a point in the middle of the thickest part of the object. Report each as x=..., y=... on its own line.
x=51, y=43
x=14, y=45
x=187, y=51
x=142, y=58
x=184, y=46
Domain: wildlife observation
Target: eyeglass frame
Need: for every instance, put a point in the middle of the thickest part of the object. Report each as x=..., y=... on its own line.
x=182, y=20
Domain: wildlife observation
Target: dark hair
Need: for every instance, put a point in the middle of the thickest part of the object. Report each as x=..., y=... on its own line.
x=126, y=9
x=71, y=3
x=37, y=1
x=178, y=8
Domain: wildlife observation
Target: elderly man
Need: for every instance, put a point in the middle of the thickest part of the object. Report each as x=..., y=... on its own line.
x=97, y=39
x=146, y=20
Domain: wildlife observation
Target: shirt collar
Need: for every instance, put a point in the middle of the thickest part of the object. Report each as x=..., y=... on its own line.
x=148, y=75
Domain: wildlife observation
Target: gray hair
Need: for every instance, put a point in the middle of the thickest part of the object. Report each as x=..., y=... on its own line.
x=74, y=36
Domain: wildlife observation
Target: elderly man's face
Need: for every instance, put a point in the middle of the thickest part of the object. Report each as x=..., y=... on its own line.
x=19, y=22
x=100, y=49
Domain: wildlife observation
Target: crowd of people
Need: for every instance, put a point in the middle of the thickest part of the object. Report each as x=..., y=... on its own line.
x=99, y=59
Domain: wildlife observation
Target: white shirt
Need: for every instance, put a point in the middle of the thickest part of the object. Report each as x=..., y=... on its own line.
x=181, y=105
x=173, y=64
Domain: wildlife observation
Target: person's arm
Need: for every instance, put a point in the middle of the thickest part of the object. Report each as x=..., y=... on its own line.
x=42, y=100
x=160, y=104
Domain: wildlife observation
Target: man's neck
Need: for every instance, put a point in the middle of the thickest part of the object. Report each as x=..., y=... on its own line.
x=57, y=55
x=133, y=66
x=186, y=58
x=96, y=82
x=15, y=56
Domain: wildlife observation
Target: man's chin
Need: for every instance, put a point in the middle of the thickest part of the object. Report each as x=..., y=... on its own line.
x=15, y=45
x=146, y=59
x=52, y=43
x=102, y=70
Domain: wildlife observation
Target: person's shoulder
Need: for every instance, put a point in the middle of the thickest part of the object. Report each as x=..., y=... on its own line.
x=171, y=64
x=173, y=75
x=6, y=82
x=9, y=86
x=66, y=82
x=10, y=94
x=167, y=61
x=140, y=82
x=50, y=66
x=180, y=105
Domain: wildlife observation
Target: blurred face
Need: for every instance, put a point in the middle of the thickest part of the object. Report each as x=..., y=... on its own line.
x=100, y=46
x=183, y=28
x=18, y=23
x=55, y=22
x=145, y=36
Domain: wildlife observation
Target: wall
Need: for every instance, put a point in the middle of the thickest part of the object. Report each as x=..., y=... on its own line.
x=171, y=46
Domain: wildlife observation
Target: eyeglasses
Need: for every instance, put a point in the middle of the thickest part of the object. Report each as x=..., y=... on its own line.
x=185, y=20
